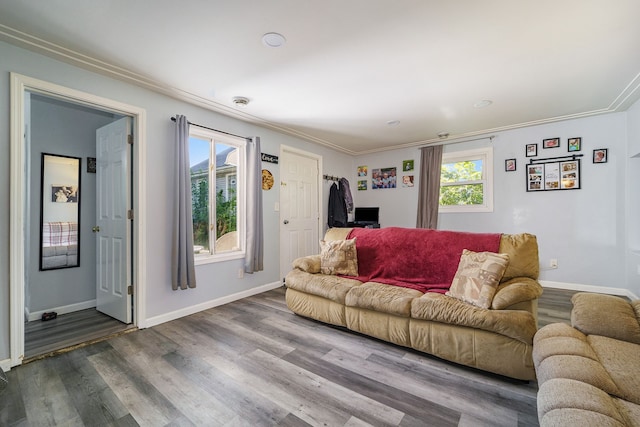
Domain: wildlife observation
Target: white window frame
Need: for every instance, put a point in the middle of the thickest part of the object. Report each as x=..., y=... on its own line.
x=241, y=203
x=486, y=156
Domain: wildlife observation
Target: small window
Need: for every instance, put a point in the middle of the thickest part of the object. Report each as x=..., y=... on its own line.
x=217, y=193
x=466, y=181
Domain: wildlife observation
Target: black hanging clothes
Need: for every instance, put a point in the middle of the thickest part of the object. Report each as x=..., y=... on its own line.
x=346, y=192
x=337, y=212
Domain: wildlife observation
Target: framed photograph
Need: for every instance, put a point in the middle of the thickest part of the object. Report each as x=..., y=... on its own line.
x=532, y=150
x=574, y=144
x=407, y=181
x=600, y=155
x=64, y=193
x=510, y=165
x=383, y=178
x=551, y=143
x=363, y=170
x=362, y=185
x=407, y=165
x=553, y=175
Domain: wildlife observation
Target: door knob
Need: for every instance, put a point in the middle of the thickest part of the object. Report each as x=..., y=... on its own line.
x=286, y=221
x=95, y=229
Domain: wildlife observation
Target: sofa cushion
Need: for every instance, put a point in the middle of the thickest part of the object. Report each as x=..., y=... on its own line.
x=477, y=277
x=310, y=264
x=591, y=314
x=339, y=257
x=515, y=291
x=383, y=298
x=333, y=288
x=621, y=360
x=523, y=255
x=567, y=402
x=517, y=324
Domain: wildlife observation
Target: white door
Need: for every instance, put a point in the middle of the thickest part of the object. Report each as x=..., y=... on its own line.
x=299, y=210
x=112, y=226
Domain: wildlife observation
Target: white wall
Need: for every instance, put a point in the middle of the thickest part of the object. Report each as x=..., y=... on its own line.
x=633, y=195
x=215, y=281
x=583, y=229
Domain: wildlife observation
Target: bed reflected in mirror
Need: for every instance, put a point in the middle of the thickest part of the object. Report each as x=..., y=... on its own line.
x=60, y=212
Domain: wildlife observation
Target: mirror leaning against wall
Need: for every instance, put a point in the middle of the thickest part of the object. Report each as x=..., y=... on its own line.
x=59, y=212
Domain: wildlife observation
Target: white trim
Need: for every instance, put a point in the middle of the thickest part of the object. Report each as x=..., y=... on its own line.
x=65, y=309
x=167, y=317
x=5, y=365
x=19, y=84
x=588, y=288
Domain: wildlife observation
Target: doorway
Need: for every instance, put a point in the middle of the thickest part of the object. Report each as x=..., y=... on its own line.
x=300, y=201
x=23, y=233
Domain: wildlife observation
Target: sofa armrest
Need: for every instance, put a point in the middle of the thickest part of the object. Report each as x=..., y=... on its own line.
x=310, y=264
x=514, y=291
x=606, y=315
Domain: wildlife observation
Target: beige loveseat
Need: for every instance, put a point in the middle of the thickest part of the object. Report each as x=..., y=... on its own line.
x=589, y=374
x=498, y=339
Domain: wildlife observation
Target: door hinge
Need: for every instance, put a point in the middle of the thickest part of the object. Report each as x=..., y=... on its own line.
x=130, y=214
x=130, y=139
x=129, y=290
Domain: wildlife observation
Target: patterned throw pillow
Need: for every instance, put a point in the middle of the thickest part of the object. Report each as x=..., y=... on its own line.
x=339, y=257
x=478, y=276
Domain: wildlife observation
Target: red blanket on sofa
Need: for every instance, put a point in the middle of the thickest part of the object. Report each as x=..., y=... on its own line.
x=417, y=258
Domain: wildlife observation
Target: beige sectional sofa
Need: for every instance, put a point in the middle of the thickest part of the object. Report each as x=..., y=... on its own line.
x=589, y=374
x=499, y=339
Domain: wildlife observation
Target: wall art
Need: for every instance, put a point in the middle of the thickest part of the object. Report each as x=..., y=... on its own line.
x=600, y=155
x=383, y=178
x=510, y=165
x=574, y=144
x=551, y=143
x=531, y=150
x=553, y=174
x=363, y=170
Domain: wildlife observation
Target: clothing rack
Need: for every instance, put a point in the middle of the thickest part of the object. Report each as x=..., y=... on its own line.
x=331, y=178
x=208, y=128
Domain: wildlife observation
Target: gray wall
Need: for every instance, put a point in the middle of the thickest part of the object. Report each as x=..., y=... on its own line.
x=214, y=280
x=69, y=130
x=586, y=230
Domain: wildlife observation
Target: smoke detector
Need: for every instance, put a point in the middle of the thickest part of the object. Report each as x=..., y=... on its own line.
x=240, y=101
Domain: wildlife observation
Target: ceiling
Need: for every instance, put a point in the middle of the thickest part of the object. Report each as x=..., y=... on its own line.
x=351, y=70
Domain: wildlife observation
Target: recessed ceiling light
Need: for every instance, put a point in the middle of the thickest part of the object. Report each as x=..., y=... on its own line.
x=483, y=103
x=273, y=40
x=240, y=101
x=443, y=135
x=393, y=122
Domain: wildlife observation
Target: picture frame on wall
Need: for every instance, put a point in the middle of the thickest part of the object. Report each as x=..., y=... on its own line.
x=510, y=165
x=600, y=155
x=574, y=144
x=551, y=143
x=531, y=150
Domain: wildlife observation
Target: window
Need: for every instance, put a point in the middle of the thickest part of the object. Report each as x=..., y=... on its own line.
x=217, y=164
x=466, y=181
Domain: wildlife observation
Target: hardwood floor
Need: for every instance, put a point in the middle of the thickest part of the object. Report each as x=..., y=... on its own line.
x=68, y=330
x=252, y=362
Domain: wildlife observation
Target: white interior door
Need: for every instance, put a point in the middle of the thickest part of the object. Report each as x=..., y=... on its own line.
x=112, y=227
x=299, y=210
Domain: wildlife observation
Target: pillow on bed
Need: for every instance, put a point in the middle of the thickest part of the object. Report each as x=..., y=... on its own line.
x=339, y=257
x=478, y=276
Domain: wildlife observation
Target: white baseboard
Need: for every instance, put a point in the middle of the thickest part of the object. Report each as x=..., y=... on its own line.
x=153, y=321
x=589, y=288
x=37, y=315
x=5, y=364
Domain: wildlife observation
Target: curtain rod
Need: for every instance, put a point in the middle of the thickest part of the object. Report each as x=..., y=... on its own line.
x=215, y=130
x=455, y=141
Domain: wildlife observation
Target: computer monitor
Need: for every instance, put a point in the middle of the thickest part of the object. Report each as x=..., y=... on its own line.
x=366, y=215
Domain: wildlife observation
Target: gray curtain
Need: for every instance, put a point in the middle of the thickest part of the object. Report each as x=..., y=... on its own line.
x=429, y=190
x=182, y=265
x=255, y=235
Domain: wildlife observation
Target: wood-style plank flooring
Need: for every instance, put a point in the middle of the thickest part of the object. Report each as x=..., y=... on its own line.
x=67, y=330
x=254, y=363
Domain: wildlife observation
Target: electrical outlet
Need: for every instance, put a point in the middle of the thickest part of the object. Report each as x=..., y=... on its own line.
x=553, y=263
x=240, y=273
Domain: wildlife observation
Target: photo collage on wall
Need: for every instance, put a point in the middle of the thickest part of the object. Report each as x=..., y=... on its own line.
x=563, y=175
x=386, y=177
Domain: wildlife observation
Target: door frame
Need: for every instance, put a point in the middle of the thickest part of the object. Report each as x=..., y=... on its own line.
x=18, y=193
x=318, y=159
